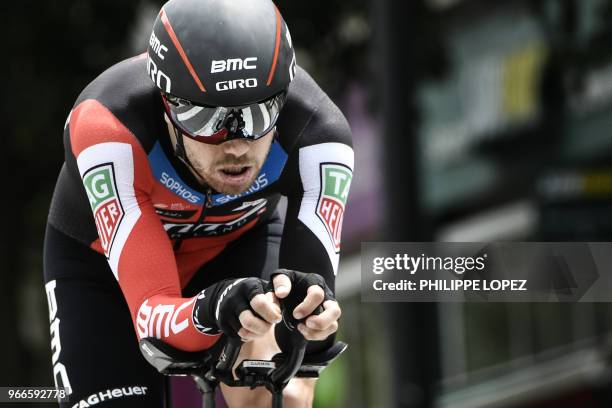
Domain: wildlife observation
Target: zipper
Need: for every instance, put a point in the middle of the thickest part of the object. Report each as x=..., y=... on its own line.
x=189, y=234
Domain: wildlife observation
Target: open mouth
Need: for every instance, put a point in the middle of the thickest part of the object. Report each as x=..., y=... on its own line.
x=235, y=171
x=236, y=175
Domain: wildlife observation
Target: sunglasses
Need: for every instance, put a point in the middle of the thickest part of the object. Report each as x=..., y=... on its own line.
x=215, y=125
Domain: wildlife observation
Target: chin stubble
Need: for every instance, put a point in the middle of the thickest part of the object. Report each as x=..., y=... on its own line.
x=206, y=178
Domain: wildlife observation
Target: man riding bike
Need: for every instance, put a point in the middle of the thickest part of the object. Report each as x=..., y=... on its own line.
x=181, y=155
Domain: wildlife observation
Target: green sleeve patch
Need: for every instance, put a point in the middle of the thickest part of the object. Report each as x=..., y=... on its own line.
x=101, y=189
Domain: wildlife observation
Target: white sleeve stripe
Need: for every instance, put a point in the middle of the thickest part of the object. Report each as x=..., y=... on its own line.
x=120, y=160
x=312, y=162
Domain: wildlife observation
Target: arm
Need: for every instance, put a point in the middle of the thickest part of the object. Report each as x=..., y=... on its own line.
x=118, y=181
x=317, y=183
x=315, y=210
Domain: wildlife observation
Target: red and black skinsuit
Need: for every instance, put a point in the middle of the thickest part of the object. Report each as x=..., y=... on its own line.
x=132, y=236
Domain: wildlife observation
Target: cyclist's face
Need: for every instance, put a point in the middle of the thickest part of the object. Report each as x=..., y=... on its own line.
x=230, y=167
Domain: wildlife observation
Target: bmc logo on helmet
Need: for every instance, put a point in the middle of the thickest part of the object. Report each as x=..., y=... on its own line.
x=232, y=64
x=158, y=76
x=157, y=47
x=236, y=84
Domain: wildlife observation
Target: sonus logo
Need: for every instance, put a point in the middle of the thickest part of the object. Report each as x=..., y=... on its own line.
x=237, y=83
x=161, y=80
x=157, y=46
x=232, y=64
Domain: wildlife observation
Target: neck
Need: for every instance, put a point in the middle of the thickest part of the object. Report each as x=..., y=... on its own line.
x=174, y=139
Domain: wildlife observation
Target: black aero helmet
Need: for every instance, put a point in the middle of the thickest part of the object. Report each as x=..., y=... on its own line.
x=223, y=66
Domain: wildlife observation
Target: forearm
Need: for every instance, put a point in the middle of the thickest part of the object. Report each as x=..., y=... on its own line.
x=171, y=319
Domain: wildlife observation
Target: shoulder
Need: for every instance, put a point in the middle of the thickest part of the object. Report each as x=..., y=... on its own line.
x=316, y=136
x=310, y=116
x=122, y=85
x=120, y=105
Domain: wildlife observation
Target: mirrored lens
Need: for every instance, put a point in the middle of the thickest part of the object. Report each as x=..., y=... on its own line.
x=252, y=121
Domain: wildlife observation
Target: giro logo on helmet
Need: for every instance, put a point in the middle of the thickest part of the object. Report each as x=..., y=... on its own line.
x=161, y=80
x=236, y=84
x=233, y=64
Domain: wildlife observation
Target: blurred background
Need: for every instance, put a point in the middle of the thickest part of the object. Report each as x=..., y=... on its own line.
x=473, y=120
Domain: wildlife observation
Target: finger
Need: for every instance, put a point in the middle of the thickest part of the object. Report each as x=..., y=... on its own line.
x=314, y=297
x=252, y=323
x=324, y=320
x=282, y=285
x=247, y=335
x=315, y=335
x=265, y=307
x=273, y=299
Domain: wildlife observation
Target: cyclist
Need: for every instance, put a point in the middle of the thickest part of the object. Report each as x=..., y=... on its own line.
x=164, y=219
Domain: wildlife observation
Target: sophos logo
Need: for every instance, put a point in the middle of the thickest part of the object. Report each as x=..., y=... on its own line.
x=177, y=188
x=236, y=84
x=258, y=184
x=413, y=264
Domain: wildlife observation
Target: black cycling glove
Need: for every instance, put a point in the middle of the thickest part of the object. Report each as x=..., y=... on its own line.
x=300, y=282
x=217, y=307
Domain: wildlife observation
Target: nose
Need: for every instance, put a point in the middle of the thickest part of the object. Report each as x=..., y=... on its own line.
x=236, y=147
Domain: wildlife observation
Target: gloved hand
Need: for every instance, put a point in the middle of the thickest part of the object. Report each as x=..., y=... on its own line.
x=236, y=307
x=308, y=303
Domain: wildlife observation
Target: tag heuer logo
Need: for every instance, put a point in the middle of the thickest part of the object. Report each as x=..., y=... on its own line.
x=104, y=200
x=335, y=184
